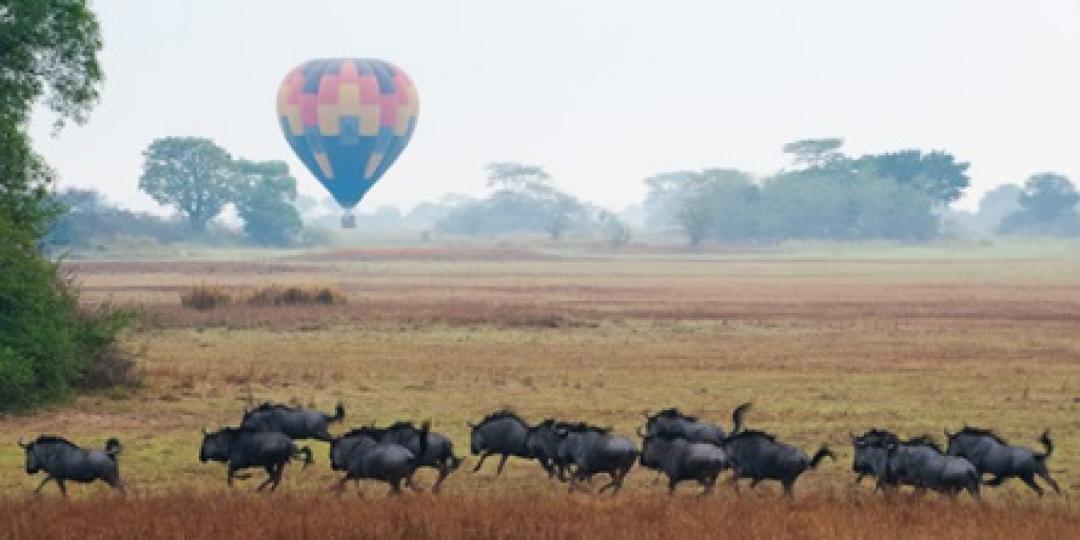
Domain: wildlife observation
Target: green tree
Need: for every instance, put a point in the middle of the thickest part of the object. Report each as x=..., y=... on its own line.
x=48, y=53
x=265, y=192
x=936, y=173
x=998, y=204
x=1047, y=206
x=712, y=202
x=516, y=177
x=814, y=153
x=192, y=174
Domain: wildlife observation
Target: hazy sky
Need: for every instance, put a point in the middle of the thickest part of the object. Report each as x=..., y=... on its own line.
x=601, y=93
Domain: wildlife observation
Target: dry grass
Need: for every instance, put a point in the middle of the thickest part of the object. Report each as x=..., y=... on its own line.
x=530, y=515
x=205, y=297
x=821, y=347
x=210, y=297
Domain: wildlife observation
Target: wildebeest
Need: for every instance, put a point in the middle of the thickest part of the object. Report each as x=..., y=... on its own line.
x=681, y=460
x=759, y=456
x=591, y=450
x=63, y=460
x=673, y=423
x=992, y=455
x=297, y=423
x=870, y=453
x=242, y=448
x=439, y=453
x=542, y=441
x=367, y=454
x=920, y=462
x=502, y=432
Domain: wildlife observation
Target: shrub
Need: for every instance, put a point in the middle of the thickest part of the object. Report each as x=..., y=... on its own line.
x=205, y=297
x=289, y=295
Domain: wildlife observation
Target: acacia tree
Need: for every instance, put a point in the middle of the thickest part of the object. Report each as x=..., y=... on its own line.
x=192, y=174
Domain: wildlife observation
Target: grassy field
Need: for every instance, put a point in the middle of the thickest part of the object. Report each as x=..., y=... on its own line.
x=914, y=342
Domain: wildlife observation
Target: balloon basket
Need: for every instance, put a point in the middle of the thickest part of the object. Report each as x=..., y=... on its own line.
x=348, y=221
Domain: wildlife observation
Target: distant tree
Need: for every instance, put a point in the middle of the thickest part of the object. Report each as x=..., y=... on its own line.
x=1047, y=206
x=616, y=231
x=515, y=177
x=192, y=174
x=936, y=173
x=714, y=201
x=814, y=153
x=998, y=204
x=264, y=194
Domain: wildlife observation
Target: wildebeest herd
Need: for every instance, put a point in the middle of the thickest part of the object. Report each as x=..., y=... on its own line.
x=676, y=445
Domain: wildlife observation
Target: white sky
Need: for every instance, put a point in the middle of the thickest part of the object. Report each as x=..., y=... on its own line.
x=602, y=93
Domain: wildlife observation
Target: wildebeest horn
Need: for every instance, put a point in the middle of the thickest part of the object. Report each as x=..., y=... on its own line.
x=947, y=434
x=204, y=432
x=645, y=413
x=22, y=444
x=639, y=433
x=470, y=424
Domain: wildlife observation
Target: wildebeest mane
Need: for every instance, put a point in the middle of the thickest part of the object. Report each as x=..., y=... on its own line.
x=54, y=439
x=366, y=431
x=582, y=427
x=673, y=412
x=503, y=413
x=981, y=432
x=924, y=440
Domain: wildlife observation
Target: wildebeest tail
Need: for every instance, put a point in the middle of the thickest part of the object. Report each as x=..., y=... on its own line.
x=821, y=454
x=737, y=417
x=306, y=452
x=113, y=448
x=1047, y=443
x=339, y=414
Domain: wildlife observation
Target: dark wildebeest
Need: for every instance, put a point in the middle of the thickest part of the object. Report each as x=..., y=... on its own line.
x=242, y=448
x=870, y=453
x=920, y=462
x=502, y=432
x=297, y=423
x=62, y=460
x=542, y=440
x=591, y=450
x=673, y=423
x=367, y=454
x=681, y=460
x=992, y=455
x=439, y=453
x=759, y=456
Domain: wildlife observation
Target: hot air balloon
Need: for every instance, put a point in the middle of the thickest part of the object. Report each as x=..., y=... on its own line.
x=348, y=120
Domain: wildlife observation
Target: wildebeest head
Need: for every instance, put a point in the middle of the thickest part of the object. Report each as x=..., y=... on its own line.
x=343, y=446
x=653, y=449
x=33, y=459
x=870, y=452
x=215, y=446
x=542, y=439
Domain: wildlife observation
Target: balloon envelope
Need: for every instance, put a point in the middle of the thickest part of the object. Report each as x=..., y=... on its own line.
x=348, y=120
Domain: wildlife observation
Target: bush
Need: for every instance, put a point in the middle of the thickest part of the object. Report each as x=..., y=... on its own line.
x=205, y=297
x=279, y=295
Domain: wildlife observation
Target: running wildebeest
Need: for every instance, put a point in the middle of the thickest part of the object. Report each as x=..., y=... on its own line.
x=242, y=448
x=501, y=432
x=920, y=462
x=870, y=453
x=297, y=423
x=542, y=441
x=366, y=454
x=673, y=423
x=439, y=453
x=759, y=456
x=681, y=459
x=591, y=450
x=62, y=460
x=992, y=455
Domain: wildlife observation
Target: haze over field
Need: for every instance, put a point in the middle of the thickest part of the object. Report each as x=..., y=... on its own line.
x=602, y=93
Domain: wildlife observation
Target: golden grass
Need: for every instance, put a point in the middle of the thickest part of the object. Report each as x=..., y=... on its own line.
x=208, y=297
x=527, y=515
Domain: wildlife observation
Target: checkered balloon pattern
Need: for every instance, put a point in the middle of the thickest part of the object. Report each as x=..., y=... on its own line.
x=348, y=120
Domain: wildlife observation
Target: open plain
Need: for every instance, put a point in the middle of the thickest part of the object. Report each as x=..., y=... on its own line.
x=915, y=341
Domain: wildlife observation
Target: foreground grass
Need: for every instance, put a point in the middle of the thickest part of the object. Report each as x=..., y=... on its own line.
x=528, y=515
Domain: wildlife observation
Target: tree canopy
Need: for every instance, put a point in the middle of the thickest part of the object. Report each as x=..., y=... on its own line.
x=191, y=174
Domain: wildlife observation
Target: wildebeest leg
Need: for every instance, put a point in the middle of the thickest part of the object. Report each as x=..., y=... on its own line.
x=43, y=482
x=789, y=487
x=411, y=484
x=277, y=477
x=270, y=470
x=481, y=462
x=502, y=463
x=858, y=479
x=754, y=482
x=614, y=484
x=1046, y=476
x=63, y=490
x=1029, y=479
x=444, y=471
x=117, y=484
x=997, y=480
x=395, y=487
x=710, y=483
x=340, y=486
